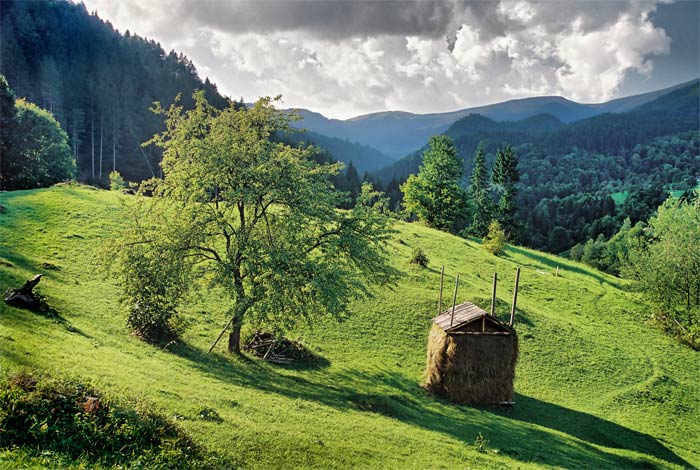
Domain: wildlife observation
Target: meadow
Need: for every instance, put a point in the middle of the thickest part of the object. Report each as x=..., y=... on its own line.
x=596, y=385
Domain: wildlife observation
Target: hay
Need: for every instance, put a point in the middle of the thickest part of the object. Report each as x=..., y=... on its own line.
x=471, y=369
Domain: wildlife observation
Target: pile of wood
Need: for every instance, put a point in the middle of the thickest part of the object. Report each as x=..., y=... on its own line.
x=275, y=349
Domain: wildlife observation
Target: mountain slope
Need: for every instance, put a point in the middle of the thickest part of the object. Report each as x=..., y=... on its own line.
x=609, y=133
x=363, y=157
x=398, y=133
x=98, y=83
x=587, y=394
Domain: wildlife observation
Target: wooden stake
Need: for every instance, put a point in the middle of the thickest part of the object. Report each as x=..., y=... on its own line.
x=515, y=296
x=442, y=277
x=493, y=295
x=220, y=335
x=454, y=300
x=557, y=273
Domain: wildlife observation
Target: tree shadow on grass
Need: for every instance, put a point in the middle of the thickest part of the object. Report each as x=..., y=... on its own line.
x=391, y=394
x=553, y=264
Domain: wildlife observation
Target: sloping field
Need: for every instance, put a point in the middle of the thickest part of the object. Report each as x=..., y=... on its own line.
x=596, y=386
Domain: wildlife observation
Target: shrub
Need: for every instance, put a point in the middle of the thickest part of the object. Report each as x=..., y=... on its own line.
x=46, y=416
x=419, y=257
x=116, y=182
x=495, y=240
x=153, y=280
x=480, y=443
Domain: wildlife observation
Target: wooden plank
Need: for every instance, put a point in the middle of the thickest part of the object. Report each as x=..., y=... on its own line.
x=494, y=333
x=454, y=299
x=515, y=297
x=442, y=277
x=493, y=295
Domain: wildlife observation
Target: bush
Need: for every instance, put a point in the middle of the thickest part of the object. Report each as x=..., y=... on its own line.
x=419, y=257
x=37, y=151
x=495, y=240
x=116, y=182
x=153, y=280
x=71, y=419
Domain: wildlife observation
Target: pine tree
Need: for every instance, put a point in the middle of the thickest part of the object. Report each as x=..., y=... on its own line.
x=480, y=195
x=505, y=176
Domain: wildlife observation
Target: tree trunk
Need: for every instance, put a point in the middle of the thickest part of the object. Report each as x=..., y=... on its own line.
x=100, y=148
x=234, y=338
x=92, y=132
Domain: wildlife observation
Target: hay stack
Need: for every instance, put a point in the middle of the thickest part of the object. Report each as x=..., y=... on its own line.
x=473, y=368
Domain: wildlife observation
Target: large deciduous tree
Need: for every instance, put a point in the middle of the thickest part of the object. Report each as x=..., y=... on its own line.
x=254, y=216
x=435, y=194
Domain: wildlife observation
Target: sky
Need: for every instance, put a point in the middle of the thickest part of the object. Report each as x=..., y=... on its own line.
x=345, y=58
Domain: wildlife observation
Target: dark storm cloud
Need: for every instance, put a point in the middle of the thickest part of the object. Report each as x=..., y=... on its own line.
x=337, y=19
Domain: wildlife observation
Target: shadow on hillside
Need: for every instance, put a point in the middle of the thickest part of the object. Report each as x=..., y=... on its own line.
x=587, y=427
x=553, y=264
x=391, y=394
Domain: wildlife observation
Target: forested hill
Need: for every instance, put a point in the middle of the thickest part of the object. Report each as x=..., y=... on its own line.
x=573, y=174
x=98, y=83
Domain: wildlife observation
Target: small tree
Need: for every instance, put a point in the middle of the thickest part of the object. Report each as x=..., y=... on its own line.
x=255, y=217
x=435, y=194
x=116, y=182
x=419, y=257
x=495, y=239
x=480, y=195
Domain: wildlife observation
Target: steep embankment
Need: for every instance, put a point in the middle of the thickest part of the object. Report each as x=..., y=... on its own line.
x=596, y=386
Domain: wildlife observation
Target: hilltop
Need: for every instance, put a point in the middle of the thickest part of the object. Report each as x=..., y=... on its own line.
x=596, y=386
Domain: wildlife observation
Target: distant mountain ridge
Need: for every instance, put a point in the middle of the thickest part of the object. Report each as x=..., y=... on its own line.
x=678, y=110
x=398, y=133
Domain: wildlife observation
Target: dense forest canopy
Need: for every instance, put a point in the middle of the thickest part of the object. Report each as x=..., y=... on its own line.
x=98, y=83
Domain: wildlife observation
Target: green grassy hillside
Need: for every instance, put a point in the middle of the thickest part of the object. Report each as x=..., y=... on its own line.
x=596, y=386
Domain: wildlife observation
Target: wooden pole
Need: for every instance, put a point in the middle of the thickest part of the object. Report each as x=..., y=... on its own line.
x=515, y=296
x=493, y=295
x=220, y=335
x=454, y=301
x=442, y=277
x=557, y=273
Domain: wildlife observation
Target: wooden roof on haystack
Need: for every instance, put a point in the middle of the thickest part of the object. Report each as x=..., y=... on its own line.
x=463, y=315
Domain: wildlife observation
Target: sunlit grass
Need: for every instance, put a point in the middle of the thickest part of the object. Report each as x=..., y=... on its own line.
x=596, y=386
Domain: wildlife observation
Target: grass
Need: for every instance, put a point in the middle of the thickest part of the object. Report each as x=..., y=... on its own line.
x=596, y=386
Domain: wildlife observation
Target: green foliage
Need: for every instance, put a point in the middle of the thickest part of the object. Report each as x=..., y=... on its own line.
x=36, y=150
x=116, y=182
x=668, y=268
x=505, y=177
x=480, y=443
x=435, y=194
x=480, y=195
x=46, y=415
x=256, y=218
x=419, y=257
x=495, y=239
